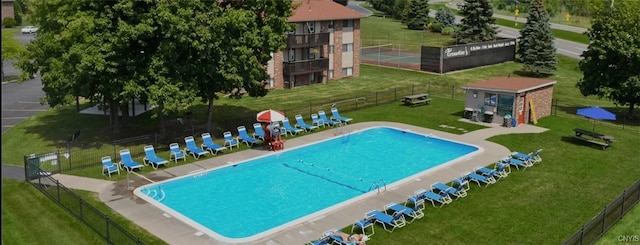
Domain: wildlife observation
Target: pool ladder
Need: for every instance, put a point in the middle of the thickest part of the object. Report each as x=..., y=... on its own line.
x=158, y=195
x=377, y=185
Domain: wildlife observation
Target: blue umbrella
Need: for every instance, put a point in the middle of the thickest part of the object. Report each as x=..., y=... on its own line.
x=596, y=113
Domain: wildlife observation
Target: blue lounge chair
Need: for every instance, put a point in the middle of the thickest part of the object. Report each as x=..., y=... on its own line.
x=432, y=197
x=318, y=122
x=388, y=222
x=324, y=240
x=363, y=224
x=127, y=162
x=229, y=141
x=176, y=153
x=244, y=136
x=193, y=149
x=517, y=163
x=301, y=124
x=479, y=179
x=209, y=145
x=331, y=122
x=335, y=237
x=336, y=115
x=258, y=131
x=487, y=172
x=462, y=183
x=289, y=129
x=445, y=189
x=108, y=167
x=502, y=169
x=414, y=213
x=275, y=128
x=151, y=158
x=533, y=157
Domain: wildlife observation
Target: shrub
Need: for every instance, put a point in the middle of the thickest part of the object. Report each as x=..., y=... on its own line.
x=447, y=31
x=435, y=27
x=9, y=22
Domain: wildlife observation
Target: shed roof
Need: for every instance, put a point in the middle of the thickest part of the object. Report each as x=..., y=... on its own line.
x=314, y=10
x=510, y=84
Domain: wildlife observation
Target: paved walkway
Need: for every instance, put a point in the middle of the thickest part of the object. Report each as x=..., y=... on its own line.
x=120, y=197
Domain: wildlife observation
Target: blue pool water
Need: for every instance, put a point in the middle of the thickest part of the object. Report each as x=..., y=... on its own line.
x=255, y=197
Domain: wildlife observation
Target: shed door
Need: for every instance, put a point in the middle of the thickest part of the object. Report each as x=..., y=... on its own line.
x=520, y=109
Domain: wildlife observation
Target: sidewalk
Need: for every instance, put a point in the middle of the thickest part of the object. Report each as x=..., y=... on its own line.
x=118, y=195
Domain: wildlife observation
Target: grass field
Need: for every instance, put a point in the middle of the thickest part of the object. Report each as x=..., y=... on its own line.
x=542, y=205
x=533, y=194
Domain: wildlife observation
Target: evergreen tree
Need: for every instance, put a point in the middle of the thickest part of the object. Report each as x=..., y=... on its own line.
x=536, y=49
x=445, y=17
x=478, y=24
x=418, y=16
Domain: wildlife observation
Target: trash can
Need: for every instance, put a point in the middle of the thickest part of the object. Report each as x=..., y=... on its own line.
x=467, y=113
x=488, y=116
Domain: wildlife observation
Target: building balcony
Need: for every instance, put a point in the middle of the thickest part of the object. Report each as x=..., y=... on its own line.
x=307, y=40
x=305, y=66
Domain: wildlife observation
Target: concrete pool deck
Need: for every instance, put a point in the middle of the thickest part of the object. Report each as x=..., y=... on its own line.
x=119, y=195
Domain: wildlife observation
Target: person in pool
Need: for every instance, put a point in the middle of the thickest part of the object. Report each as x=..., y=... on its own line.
x=352, y=239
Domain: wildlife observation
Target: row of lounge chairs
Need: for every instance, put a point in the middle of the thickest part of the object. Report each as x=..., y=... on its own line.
x=208, y=146
x=396, y=215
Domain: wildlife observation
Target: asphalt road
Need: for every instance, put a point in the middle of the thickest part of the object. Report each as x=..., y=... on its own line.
x=563, y=47
x=19, y=102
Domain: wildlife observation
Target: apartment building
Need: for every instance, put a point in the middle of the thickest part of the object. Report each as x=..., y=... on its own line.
x=7, y=9
x=325, y=46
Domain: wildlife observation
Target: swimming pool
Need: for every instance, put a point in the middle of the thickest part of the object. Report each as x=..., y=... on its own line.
x=249, y=200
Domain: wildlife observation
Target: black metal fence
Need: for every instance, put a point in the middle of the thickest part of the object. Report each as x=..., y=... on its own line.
x=622, y=121
x=99, y=222
x=76, y=157
x=603, y=221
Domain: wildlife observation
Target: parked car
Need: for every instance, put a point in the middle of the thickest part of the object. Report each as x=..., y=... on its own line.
x=29, y=29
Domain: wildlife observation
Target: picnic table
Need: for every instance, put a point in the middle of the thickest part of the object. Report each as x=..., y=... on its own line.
x=601, y=140
x=416, y=99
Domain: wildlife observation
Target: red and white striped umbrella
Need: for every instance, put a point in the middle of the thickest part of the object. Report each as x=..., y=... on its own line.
x=270, y=116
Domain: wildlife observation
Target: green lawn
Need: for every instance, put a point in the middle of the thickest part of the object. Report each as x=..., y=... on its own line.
x=542, y=205
x=627, y=226
x=554, y=198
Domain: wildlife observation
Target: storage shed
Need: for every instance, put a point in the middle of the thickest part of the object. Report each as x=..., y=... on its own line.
x=508, y=100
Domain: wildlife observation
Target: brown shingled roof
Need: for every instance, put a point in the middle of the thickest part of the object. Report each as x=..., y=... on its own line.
x=312, y=10
x=510, y=84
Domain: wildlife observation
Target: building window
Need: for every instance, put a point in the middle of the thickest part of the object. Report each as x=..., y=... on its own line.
x=347, y=47
x=331, y=24
x=330, y=74
x=490, y=99
x=347, y=23
x=330, y=49
x=505, y=104
x=348, y=71
x=311, y=27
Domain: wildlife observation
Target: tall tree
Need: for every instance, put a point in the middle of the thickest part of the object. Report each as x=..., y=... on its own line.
x=11, y=48
x=478, y=24
x=166, y=52
x=611, y=64
x=536, y=48
x=418, y=16
x=250, y=31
